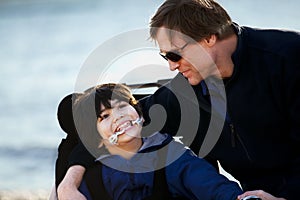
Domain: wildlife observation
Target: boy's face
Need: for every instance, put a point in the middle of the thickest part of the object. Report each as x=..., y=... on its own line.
x=117, y=118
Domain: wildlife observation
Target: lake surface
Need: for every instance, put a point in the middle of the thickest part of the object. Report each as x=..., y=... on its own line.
x=43, y=46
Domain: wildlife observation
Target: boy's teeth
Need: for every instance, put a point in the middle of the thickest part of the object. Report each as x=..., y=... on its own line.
x=123, y=126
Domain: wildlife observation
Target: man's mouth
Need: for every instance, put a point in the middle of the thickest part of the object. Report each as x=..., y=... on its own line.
x=184, y=73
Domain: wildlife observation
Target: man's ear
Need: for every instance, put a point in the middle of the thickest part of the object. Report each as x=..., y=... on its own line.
x=211, y=40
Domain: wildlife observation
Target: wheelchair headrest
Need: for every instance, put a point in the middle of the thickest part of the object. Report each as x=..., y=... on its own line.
x=65, y=115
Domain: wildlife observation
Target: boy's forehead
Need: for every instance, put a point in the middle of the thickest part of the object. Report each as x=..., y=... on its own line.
x=113, y=101
x=112, y=104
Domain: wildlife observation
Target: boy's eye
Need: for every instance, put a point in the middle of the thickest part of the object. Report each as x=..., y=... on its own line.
x=106, y=112
x=103, y=116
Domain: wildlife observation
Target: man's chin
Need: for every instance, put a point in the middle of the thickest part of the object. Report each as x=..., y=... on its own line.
x=194, y=81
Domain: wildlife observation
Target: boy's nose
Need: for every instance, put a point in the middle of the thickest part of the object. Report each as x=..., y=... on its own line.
x=117, y=116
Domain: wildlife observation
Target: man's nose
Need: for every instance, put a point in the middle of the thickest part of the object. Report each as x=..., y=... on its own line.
x=173, y=65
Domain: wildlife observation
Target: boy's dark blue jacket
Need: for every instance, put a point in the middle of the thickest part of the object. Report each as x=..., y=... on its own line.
x=186, y=175
x=259, y=140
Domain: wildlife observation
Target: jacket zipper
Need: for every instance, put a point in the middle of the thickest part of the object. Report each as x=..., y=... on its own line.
x=234, y=135
x=233, y=132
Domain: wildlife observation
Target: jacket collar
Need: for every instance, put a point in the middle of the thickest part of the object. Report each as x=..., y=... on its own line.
x=150, y=143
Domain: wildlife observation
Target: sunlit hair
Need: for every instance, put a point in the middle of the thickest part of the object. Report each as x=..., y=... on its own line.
x=197, y=19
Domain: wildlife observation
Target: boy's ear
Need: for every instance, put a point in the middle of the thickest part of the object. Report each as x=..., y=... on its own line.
x=101, y=143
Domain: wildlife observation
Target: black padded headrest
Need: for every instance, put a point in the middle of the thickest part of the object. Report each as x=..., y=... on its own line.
x=65, y=115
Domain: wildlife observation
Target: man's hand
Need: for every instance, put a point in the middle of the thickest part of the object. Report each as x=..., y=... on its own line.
x=68, y=188
x=261, y=194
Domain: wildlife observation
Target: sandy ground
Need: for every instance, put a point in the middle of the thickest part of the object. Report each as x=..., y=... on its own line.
x=25, y=195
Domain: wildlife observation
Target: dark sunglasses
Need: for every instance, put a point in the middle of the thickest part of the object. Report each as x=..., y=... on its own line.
x=174, y=55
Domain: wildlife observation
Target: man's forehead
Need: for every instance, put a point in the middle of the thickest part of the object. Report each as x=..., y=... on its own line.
x=169, y=39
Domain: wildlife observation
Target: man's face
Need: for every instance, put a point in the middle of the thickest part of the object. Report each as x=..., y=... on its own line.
x=195, y=64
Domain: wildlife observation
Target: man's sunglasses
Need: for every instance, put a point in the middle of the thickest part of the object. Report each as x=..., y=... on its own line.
x=173, y=56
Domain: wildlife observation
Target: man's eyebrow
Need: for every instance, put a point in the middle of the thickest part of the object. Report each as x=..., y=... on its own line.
x=176, y=48
x=161, y=50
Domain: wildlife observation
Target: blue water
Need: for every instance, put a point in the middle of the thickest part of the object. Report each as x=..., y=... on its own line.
x=42, y=47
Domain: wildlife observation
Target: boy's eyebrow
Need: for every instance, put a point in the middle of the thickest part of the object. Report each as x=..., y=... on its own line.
x=101, y=111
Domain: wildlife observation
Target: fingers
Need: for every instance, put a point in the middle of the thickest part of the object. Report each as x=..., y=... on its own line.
x=259, y=193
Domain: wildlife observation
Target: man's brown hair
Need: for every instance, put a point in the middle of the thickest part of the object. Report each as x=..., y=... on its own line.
x=197, y=19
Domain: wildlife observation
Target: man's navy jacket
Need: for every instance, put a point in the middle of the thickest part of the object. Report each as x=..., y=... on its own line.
x=259, y=139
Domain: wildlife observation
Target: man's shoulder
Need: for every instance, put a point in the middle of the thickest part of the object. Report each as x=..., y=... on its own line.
x=279, y=41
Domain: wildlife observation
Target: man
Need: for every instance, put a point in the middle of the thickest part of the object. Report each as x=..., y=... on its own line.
x=260, y=69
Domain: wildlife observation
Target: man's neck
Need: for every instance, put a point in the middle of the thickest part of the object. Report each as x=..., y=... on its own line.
x=225, y=50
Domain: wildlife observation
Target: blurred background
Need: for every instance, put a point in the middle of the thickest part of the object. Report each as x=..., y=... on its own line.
x=43, y=44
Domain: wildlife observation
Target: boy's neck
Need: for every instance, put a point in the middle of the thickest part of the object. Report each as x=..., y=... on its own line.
x=127, y=150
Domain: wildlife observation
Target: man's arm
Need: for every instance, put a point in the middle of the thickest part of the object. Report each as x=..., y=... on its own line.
x=79, y=160
x=68, y=188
